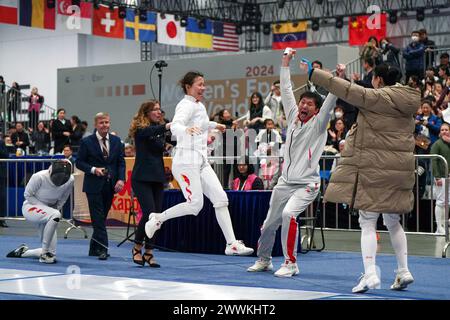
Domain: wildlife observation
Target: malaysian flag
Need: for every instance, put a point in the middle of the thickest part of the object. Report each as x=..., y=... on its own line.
x=225, y=37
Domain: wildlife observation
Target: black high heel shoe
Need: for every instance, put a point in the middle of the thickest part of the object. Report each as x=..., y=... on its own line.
x=149, y=260
x=135, y=252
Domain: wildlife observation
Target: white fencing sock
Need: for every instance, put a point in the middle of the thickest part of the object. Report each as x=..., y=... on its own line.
x=368, y=247
x=49, y=233
x=33, y=253
x=224, y=220
x=398, y=239
x=439, y=213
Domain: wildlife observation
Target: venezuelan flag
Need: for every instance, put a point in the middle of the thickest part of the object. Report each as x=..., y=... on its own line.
x=196, y=37
x=289, y=35
x=35, y=13
x=144, y=31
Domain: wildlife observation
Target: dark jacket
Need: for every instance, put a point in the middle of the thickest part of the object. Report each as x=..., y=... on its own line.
x=390, y=53
x=13, y=97
x=76, y=136
x=90, y=155
x=57, y=132
x=3, y=155
x=20, y=136
x=149, y=164
x=429, y=56
x=41, y=140
x=414, y=55
x=366, y=82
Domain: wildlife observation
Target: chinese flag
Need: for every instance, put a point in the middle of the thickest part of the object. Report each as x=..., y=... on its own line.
x=360, y=28
x=106, y=23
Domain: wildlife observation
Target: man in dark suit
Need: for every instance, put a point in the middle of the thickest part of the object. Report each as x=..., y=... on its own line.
x=101, y=158
x=3, y=155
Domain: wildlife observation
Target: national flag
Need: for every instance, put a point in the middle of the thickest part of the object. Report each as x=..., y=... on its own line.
x=360, y=29
x=292, y=35
x=144, y=31
x=199, y=37
x=106, y=23
x=170, y=31
x=225, y=37
x=77, y=19
x=8, y=11
x=35, y=13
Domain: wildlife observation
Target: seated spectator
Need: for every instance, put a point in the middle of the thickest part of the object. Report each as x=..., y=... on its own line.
x=444, y=74
x=9, y=145
x=437, y=90
x=430, y=76
x=336, y=133
x=389, y=53
x=68, y=154
x=427, y=124
x=257, y=113
x=414, y=56
x=246, y=179
x=366, y=82
x=129, y=150
x=414, y=82
x=428, y=88
x=40, y=139
x=336, y=160
x=20, y=138
x=443, y=61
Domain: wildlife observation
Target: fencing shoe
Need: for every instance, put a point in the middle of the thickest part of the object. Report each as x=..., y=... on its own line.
x=288, y=269
x=18, y=252
x=261, y=265
x=402, y=280
x=366, y=282
x=47, y=257
x=237, y=248
x=152, y=225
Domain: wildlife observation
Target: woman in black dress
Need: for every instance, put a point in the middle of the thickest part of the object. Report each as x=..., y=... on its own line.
x=147, y=179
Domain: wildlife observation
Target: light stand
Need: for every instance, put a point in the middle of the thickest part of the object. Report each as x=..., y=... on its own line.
x=160, y=64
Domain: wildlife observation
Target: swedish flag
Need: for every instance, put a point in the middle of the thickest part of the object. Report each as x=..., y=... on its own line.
x=144, y=31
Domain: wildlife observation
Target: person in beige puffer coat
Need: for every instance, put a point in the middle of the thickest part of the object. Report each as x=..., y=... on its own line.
x=376, y=170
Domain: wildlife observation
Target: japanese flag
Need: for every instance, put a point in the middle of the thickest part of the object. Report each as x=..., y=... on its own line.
x=170, y=31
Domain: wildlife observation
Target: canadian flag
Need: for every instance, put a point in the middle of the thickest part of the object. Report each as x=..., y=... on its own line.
x=74, y=18
x=106, y=23
x=170, y=31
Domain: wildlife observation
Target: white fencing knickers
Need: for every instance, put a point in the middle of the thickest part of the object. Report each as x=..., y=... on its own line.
x=439, y=209
x=47, y=219
x=286, y=203
x=195, y=179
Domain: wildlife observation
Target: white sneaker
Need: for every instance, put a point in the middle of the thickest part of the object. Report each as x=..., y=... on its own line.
x=237, y=248
x=288, y=269
x=47, y=257
x=152, y=225
x=402, y=279
x=366, y=282
x=261, y=265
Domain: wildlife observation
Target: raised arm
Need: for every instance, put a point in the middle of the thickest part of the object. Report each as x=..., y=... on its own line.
x=287, y=94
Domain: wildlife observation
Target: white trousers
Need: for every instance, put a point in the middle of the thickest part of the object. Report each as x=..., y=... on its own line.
x=439, y=209
x=286, y=203
x=46, y=219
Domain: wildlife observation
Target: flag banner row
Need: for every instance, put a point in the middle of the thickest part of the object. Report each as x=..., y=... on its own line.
x=166, y=29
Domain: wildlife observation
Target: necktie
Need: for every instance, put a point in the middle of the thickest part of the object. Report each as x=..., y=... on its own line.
x=104, y=148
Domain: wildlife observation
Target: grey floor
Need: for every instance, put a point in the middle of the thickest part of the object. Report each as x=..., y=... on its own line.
x=335, y=240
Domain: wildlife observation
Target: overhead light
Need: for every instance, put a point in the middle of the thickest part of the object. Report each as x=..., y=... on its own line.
x=142, y=14
x=436, y=11
x=281, y=3
x=257, y=28
x=295, y=24
x=76, y=3
x=176, y=17
x=111, y=6
x=393, y=16
x=162, y=15
x=122, y=12
x=315, y=24
x=339, y=22
x=403, y=14
x=319, y=2
x=420, y=14
x=183, y=21
x=266, y=29
x=96, y=4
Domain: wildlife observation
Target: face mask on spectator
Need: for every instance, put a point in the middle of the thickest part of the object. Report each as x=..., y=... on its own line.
x=415, y=38
x=338, y=114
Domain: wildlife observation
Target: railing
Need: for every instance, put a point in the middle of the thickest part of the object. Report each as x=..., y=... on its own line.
x=434, y=56
x=17, y=110
x=18, y=173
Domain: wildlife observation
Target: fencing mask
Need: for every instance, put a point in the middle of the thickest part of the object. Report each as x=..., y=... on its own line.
x=60, y=172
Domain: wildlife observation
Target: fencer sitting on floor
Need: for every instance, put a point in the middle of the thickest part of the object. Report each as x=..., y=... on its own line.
x=45, y=195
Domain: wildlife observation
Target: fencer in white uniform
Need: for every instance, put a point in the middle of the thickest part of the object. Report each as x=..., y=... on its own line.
x=45, y=195
x=299, y=183
x=190, y=165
